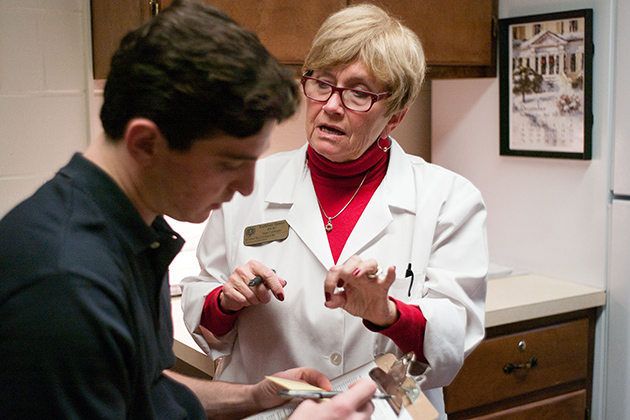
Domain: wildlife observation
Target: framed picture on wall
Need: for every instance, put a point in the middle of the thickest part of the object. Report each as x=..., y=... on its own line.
x=545, y=85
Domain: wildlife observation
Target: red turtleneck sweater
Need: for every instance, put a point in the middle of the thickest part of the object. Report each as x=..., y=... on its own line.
x=335, y=184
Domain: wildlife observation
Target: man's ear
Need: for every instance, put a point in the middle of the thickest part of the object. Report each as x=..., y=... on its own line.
x=141, y=139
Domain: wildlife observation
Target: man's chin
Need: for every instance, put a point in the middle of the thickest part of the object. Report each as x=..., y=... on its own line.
x=199, y=217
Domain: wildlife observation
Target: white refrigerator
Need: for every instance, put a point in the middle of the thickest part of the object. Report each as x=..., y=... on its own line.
x=617, y=392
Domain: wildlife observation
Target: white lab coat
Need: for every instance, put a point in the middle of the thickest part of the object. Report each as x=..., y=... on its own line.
x=421, y=213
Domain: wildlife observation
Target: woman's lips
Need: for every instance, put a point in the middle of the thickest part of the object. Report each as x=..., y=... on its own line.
x=331, y=130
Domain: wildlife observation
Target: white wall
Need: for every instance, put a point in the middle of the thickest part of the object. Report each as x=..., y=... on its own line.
x=547, y=216
x=43, y=84
x=544, y=215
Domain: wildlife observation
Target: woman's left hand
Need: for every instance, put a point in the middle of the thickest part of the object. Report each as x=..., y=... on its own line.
x=356, y=287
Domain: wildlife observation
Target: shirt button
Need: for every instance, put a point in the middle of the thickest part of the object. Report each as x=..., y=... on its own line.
x=335, y=359
x=154, y=245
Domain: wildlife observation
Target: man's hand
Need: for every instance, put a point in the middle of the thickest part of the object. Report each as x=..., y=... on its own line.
x=228, y=401
x=266, y=393
x=354, y=404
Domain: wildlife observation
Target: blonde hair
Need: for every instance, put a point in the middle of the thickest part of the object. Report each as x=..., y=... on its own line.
x=366, y=33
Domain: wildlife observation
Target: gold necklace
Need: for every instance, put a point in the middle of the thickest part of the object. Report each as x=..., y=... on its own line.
x=329, y=225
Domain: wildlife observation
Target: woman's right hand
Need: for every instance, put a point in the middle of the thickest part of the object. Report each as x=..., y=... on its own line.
x=357, y=287
x=237, y=294
x=353, y=404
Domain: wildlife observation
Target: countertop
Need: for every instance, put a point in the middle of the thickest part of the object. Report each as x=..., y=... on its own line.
x=509, y=299
x=185, y=347
x=528, y=296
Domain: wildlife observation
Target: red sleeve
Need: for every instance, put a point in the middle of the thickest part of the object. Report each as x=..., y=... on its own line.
x=213, y=318
x=408, y=332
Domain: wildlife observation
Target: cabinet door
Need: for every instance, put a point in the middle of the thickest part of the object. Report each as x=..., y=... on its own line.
x=111, y=20
x=570, y=406
x=285, y=27
x=459, y=37
x=562, y=357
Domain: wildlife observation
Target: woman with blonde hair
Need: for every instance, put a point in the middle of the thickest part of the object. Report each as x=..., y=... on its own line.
x=327, y=216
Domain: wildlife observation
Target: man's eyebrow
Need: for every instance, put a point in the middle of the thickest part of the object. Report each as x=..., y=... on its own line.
x=239, y=156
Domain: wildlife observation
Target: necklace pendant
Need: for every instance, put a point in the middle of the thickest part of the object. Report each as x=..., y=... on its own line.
x=329, y=226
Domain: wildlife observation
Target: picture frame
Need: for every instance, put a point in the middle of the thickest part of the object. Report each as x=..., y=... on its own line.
x=545, y=85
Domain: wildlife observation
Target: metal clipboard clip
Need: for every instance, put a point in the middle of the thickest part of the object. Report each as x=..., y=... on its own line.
x=398, y=381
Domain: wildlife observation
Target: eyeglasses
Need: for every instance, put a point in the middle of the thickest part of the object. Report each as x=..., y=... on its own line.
x=353, y=99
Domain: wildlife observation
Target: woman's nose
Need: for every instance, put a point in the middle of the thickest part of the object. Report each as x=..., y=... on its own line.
x=334, y=103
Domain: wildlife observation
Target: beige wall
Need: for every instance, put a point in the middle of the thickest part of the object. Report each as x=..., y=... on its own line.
x=43, y=116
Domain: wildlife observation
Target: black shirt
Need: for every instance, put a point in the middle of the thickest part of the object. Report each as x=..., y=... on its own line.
x=85, y=315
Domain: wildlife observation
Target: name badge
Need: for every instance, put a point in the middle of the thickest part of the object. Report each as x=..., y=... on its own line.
x=267, y=232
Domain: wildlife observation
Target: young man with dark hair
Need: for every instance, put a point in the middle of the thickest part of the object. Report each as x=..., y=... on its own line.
x=85, y=327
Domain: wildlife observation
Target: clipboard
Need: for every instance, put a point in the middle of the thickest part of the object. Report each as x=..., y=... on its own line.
x=420, y=409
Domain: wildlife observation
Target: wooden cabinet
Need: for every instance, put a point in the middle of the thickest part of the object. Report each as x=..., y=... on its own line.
x=538, y=369
x=285, y=27
x=110, y=21
x=459, y=37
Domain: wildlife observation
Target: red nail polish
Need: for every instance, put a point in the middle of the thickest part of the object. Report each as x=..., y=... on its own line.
x=281, y=297
x=340, y=283
x=327, y=297
x=356, y=272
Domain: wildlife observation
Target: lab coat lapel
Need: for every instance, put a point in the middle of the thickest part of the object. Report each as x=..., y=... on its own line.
x=393, y=195
x=375, y=218
x=295, y=188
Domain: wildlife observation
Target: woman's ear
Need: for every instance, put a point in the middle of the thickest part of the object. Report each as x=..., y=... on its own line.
x=141, y=139
x=393, y=122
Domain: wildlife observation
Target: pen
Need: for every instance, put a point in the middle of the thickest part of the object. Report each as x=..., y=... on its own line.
x=318, y=395
x=409, y=273
x=256, y=280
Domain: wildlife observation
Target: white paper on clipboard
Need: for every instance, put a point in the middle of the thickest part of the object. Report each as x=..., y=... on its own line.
x=419, y=410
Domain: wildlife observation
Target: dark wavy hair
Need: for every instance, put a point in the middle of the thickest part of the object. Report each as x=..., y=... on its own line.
x=195, y=72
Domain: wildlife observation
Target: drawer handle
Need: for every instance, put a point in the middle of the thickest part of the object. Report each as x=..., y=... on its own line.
x=510, y=367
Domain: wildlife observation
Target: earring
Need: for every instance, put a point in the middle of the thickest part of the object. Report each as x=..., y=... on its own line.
x=389, y=146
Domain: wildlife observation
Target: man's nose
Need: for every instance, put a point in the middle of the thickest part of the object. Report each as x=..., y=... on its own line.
x=245, y=183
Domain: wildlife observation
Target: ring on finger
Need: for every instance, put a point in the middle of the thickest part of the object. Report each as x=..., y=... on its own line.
x=379, y=270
